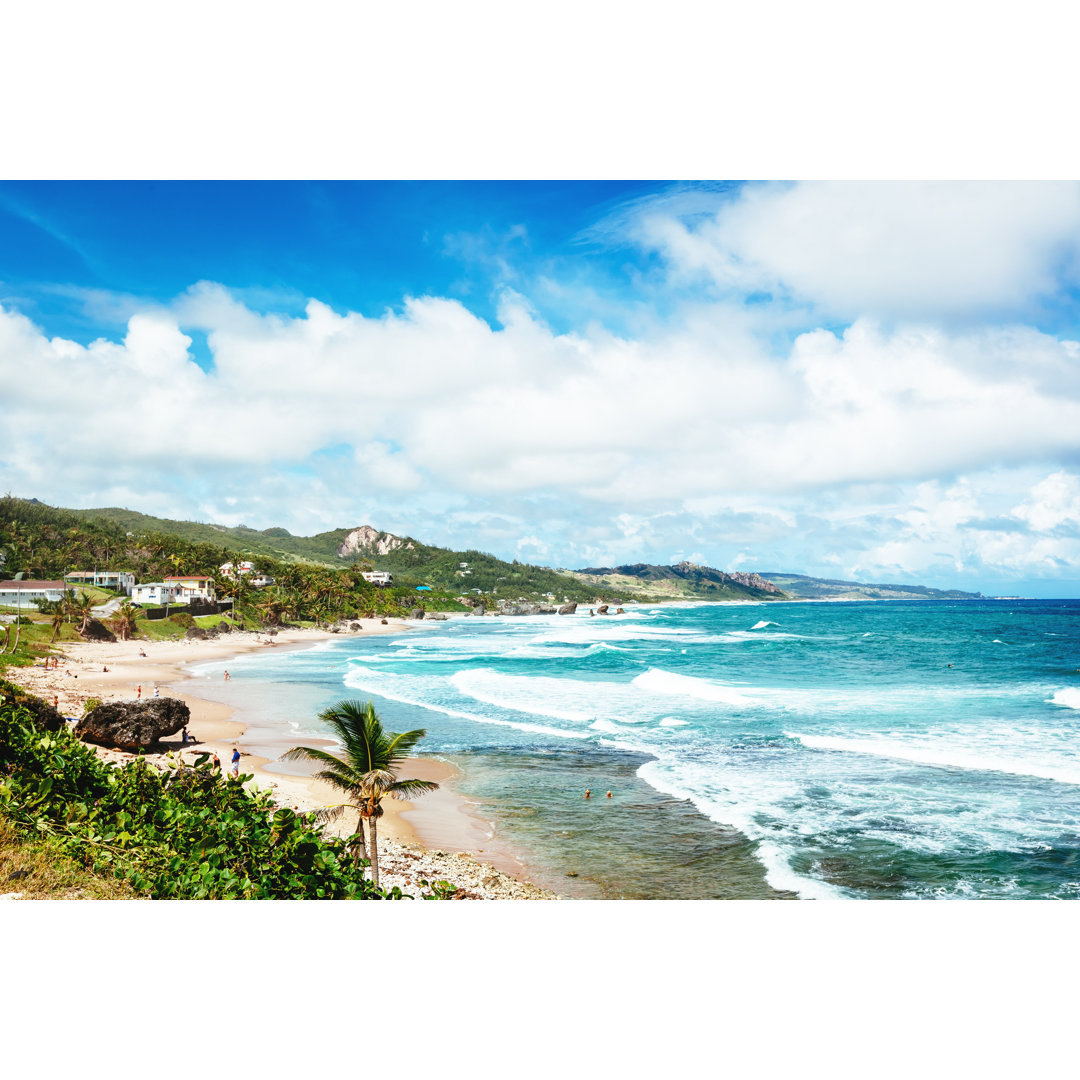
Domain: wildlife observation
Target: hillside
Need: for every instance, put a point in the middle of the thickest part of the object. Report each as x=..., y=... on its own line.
x=683, y=581
x=275, y=543
x=801, y=587
x=411, y=562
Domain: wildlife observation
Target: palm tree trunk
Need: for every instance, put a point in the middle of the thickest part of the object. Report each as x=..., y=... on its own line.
x=373, y=852
x=361, y=849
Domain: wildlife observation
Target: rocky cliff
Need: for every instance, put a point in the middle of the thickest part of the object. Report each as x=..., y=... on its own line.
x=368, y=541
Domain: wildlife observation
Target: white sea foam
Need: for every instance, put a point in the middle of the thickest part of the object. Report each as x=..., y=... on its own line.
x=540, y=696
x=658, y=681
x=945, y=755
x=673, y=721
x=1069, y=698
x=393, y=688
x=762, y=624
x=734, y=809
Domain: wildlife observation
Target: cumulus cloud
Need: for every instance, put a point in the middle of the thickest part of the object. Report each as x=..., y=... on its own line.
x=889, y=249
x=886, y=448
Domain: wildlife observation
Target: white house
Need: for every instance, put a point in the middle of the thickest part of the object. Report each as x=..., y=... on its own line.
x=118, y=580
x=232, y=570
x=155, y=592
x=24, y=593
x=192, y=587
x=378, y=577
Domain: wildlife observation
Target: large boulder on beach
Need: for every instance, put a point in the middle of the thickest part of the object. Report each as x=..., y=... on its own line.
x=436, y=616
x=417, y=613
x=133, y=725
x=96, y=630
x=568, y=609
x=602, y=609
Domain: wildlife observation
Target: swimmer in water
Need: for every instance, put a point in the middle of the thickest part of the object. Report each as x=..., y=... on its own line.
x=588, y=793
x=609, y=794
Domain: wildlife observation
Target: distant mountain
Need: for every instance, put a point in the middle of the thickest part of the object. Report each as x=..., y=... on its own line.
x=683, y=581
x=801, y=587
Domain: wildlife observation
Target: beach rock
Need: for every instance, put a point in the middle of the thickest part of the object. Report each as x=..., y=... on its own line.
x=518, y=607
x=568, y=609
x=602, y=609
x=417, y=613
x=133, y=725
x=620, y=611
x=96, y=630
x=224, y=628
x=196, y=633
x=355, y=626
x=436, y=616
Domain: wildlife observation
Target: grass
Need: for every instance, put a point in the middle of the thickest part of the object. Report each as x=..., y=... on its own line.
x=39, y=868
x=159, y=630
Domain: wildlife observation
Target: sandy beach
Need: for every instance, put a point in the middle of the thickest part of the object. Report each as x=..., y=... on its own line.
x=437, y=838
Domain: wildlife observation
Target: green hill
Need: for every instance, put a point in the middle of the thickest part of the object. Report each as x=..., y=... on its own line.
x=683, y=581
x=801, y=587
x=411, y=562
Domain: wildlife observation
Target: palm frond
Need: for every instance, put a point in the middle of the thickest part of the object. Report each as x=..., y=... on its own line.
x=411, y=789
x=400, y=745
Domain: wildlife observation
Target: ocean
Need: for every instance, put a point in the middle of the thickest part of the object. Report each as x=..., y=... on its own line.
x=880, y=749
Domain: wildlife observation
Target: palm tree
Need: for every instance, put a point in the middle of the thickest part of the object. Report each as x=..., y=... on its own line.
x=123, y=622
x=367, y=771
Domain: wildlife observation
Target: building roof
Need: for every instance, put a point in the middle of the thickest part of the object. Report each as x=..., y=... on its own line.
x=33, y=586
x=188, y=577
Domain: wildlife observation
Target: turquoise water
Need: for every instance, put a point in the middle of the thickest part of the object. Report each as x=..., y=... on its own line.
x=879, y=749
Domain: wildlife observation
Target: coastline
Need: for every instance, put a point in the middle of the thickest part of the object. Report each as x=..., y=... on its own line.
x=437, y=838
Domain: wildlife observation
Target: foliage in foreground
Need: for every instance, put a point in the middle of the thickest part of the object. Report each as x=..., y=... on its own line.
x=185, y=833
x=38, y=866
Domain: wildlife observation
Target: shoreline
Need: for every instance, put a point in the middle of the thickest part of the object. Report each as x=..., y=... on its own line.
x=436, y=838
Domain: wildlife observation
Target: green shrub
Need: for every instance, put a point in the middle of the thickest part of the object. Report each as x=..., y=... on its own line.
x=185, y=833
x=91, y=704
x=184, y=619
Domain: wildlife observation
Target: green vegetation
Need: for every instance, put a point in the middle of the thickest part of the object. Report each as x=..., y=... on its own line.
x=683, y=581
x=39, y=867
x=367, y=771
x=801, y=587
x=182, y=833
x=412, y=563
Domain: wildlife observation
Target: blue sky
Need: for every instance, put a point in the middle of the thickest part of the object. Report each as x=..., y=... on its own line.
x=874, y=380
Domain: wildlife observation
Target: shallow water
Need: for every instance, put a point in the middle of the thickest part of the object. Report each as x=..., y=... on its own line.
x=829, y=750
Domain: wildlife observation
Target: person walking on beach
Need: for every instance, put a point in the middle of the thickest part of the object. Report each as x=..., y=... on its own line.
x=157, y=692
x=235, y=762
x=138, y=692
x=217, y=763
x=227, y=676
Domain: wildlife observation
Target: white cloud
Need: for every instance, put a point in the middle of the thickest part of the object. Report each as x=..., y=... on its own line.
x=892, y=249
x=876, y=450
x=1053, y=503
